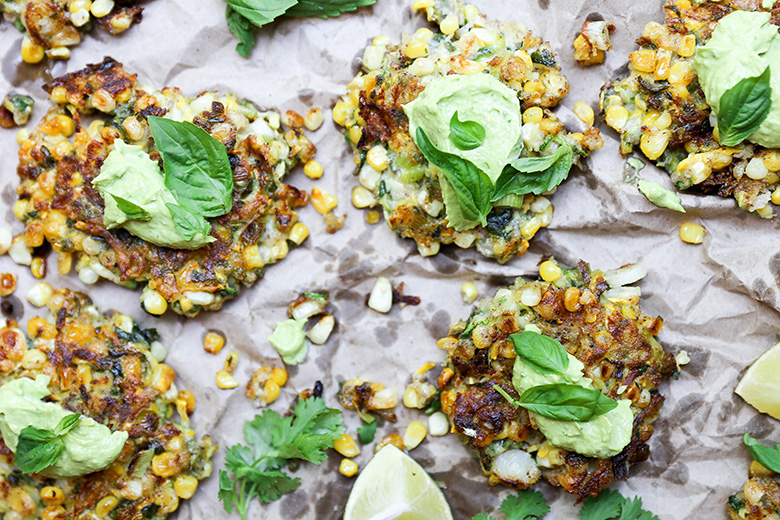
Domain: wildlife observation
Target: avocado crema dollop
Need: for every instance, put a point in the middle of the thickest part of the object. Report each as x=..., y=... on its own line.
x=128, y=172
x=89, y=447
x=742, y=45
x=602, y=437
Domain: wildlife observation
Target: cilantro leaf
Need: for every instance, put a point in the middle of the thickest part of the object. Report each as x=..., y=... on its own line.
x=526, y=505
x=611, y=505
x=367, y=432
x=273, y=442
x=483, y=516
x=325, y=8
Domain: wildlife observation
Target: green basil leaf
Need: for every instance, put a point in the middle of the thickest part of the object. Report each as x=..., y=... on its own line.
x=197, y=168
x=566, y=402
x=67, y=424
x=513, y=401
x=767, y=457
x=242, y=29
x=188, y=223
x=660, y=196
x=131, y=210
x=472, y=186
x=37, y=449
x=466, y=135
x=743, y=108
x=535, y=174
x=543, y=354
x=261, y=12
x=325, y=8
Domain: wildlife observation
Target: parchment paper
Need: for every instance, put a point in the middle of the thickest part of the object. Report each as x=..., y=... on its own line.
x=719, y=300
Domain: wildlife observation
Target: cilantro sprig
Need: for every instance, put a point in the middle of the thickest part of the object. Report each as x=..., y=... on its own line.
x=255, y=471
x=242, y=15
x=526, y=505
x=38, y=449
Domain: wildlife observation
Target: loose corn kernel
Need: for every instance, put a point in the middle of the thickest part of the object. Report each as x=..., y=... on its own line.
x=692, y=233
x=38, y=267
x=52, y=496
x=225, y=380
x=616, y=117
x=64, y=262
x=533, y=115
x=106, y=505
x=39, y=294
x=213, y=342
x=313, y=169
x=279, y=376
x=449, y=25
x=394, y=439
x=101, y=8
x=152, y=301
x=687, y=46
x=584, y=112
x=188, y=398
x=346, y=446
x=381, y=297
x=185, y=486
x=252, y=257
x=299, y=233
x=416, y=48
x=313, y=119
x=549, y=271
x=165, y=464
x=162, y=377
x=438, y=424
x=340, y=113
x=643, y=60
x=776, y=197
x=377, y=158
x=31, y=51
x=231, y=361
x=415, y=433
x=362, y=198
x=322, y=200
x=372, y=217
x=348, y=468
x=469, y=292
x=7, y=284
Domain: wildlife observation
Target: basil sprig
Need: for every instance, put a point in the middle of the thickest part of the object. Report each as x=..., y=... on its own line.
x=743, y=108
x=543, y=354
x=766, y=456
x=39, y=449
x=550, y=170
x=466, y=135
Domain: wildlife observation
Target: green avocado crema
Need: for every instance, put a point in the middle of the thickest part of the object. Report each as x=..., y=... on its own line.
x=89, y=447
x=128, y=172
x=477, y=97
x=742, y=45
x=604, y=436
x=289, y=339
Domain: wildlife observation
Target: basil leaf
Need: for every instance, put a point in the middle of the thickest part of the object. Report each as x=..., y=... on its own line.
x=660, y=196
x=131, y=210
x=197, y=168
x=513, y=401
x=566, y=402
x=242, y=29
x=543, y=354
x=188, y=223
x=743, y=108
x=37, y=449
x=261, y=12
x=466, y=135
x=67, y=424
x=549, y=172
x=767, y=457
x=472, y=186
x=325, y=8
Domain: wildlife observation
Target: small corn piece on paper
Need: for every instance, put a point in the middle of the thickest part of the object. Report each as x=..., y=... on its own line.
x=719, y=300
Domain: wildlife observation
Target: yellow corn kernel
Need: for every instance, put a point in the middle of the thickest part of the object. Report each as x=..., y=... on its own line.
x=225, y=380
x=59, y=95
x=681, y=73
x=106, y=505
x=313, y=119
x=416, y=48
x=52, y=496
x=188, y=398
x=355, y=133
x=759, y=470
x=469, y=292
x=663, y=121
x=31, y=51
x=362, y=198
x=692, y=233
x=377, y=158
x=534, y=86
x=231, y=361
x=103, y=101
x=165, y=464
x=584, y=112
x=38, y=267
x=64, y=262
x=394, y=439
x=372, y=217
x=101, y=8
x=299, y=233
x=279, y=376
x=663, y=57
x=53, y=513
x=348, y=468
x=322, y=200
x=421, y=4
x=617, y=117
x=162, y=377
x=213, y=342
x=346, y=445
x=643, y=60
x=340, y=113
x=313, y=169
x=549, y=271
x=153, y=302
x=449, y=25
x=415, y=433
x=687, y=46
x=772, y=161
x=654, y=143
x=776, y=197
x=571, y=299
x=426, y=367
x=34, y=359
x=271, y=389
x=84, y=374
x=252, y=257
x=185, y=486
x=533, y=115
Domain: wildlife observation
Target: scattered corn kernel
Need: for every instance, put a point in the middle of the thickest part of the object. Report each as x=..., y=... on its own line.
x=584, y=112
x=299, y=233
x=549, y=271
x=346, y=446
x=151, y=300
x=438, y=424
x=38, y=267
x=362, y=198
x=312, y=169
x=469, y=292
x=272, y=390
x=225, y=380
x=7, y=284
x=394, y=439
x=31, y=51
x=101, y=8
x=415, y=433
x=348, y=468
x=313, y=119
x=381, y=297
x=372, y=217
x=322, y=200
x=692, y=233
x=39, y=294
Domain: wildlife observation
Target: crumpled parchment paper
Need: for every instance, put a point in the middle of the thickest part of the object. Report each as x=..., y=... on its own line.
x=719, y=300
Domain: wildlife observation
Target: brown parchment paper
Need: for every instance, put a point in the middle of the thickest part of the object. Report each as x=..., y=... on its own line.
x=719, y=300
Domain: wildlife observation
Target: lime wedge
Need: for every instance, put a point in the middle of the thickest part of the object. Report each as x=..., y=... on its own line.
x=760, y=386
x=393, y=486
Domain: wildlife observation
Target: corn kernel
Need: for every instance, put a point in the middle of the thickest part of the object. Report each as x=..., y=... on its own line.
x=449, y=25
x=151, y=301
x=692, y=233
x=687, y=46
x=362, y=198
x=653, y=144
x=346, y=446
x=381, y=297
x=225, y=380
x=348, y=468
x=377, y=158
x=213, y=342
x=415, y=433
x=38, y=267
x=533, y=115
x=279, y=376
x=571, y=299
x=756, y=169
x=185, y=486
x=759, y=470
x=31, y=51
x=52, y=496
x=394, y=439
x=271, y=389
x=299, y=233
x=101, y=8
x=617, y=117
x=643, y=60
x=165, y=464
x=322, y=200
x=7, y=284
x=340, y=113
x=584, y=112
x=189, y=400
x=103, y=101
x=313, y=119
x=34, y=359
x=372, y=217
x=422, y=67
x=106, y=505
x=231, y=361
x=416, y=48
x=252, y=257
x=39, y=294
x=53, y=513
x=469, y=292
x=312, y=169
x=355, y=133
x=549, y=271
x=59, y=95
x=776, y=197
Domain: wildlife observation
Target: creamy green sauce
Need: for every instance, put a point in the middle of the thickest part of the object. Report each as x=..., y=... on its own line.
x=476, y=97
x=602, y=437
x=289, y=339
x=742, y=45
x=128, y=172
x=89, y=447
